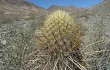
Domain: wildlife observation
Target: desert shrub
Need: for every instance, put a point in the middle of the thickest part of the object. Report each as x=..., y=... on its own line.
x=16, y=41
x=95, y=47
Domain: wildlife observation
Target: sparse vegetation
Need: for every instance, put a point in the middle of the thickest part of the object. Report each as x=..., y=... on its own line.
x=21, y=32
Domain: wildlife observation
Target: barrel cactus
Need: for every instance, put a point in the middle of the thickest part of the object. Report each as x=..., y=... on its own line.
x=59, y=32
x=59, y=36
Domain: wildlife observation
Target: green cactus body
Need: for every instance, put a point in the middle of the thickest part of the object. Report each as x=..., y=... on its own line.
x=59, y=32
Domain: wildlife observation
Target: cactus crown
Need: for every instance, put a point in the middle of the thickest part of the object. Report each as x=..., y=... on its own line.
x=59, y=32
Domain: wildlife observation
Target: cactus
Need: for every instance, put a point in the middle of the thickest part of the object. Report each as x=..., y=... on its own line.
x=59, y=32
x=59, y=35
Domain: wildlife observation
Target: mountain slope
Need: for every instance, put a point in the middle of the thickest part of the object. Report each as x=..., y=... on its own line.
x=70, y=8
x=19, y=8
x=103, y=7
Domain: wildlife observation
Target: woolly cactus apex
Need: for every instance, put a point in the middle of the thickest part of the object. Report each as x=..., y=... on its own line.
x=59, y=33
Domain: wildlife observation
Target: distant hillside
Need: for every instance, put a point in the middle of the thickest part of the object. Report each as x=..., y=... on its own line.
x=70, y=8
x=55, y=7
x=103, y=7
x=20, y=8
